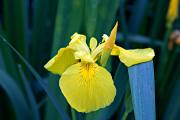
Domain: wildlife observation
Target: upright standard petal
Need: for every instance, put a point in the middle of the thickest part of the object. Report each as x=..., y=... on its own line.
x=59, y=63
x=78, y=43
x=87, y=87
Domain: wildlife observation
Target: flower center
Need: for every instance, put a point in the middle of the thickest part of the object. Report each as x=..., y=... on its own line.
x=88, y=70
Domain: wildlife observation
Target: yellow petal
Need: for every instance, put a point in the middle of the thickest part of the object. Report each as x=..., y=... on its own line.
x=96, y=52
x=83, y=56
x=61, y=61
x=116, y=50
x=87, y=87
x=78, y=43
x=136, y=56
x=93, y=43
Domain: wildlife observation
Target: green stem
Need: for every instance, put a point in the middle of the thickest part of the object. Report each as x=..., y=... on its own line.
x=169, y=69
x=162, y=68
x=164, y=56
x=73, y=114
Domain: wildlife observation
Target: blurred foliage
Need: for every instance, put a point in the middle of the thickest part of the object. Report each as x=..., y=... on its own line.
x=37, y=29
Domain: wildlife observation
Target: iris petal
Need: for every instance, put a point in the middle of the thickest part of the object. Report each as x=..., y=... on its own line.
x=136, y=56
x=59, y=63
x=87, y=87
x=116, y=50
x=78, y=43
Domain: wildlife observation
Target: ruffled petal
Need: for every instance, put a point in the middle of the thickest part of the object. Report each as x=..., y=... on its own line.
x=135, y=56
x=59, y=63
x=78, y=43
x=82, y=51
x=87, y=87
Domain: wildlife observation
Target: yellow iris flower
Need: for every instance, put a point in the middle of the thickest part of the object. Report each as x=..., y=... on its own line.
x=86, y=85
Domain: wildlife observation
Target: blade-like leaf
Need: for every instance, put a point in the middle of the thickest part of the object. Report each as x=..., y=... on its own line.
x=128, y=104
x=159, y=18
x=173, y=107
x=163, y=60
x=135, y=38
x=68, y=21
x=106, y=17
x=53, y=99
x=137, y=15
x=44, y=13
x=16, y=96
x=141, y=79
x=91, y=16
x=15, y=23
x=30, y=96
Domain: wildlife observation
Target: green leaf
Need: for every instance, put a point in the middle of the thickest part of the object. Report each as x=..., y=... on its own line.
x=137, y=15
x=30, y=96
x=16, y=96
x=167, y=106
x=141, y=79
x=91, y=16
x=173, y=106
x=68, y=21
x=122, y=15
x=51, y=113
x=15, y=23
x=53, y=99
x=106, y=17
x=7, y=60
x=159, y=18
x=137, y=39
x=163, y=60
x=44, y=13
x=128, y=104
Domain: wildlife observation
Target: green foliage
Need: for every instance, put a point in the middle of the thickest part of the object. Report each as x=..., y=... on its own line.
x=36, y=29
x=16, y=96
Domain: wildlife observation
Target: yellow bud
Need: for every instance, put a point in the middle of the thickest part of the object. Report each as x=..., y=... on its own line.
x=172, y=11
